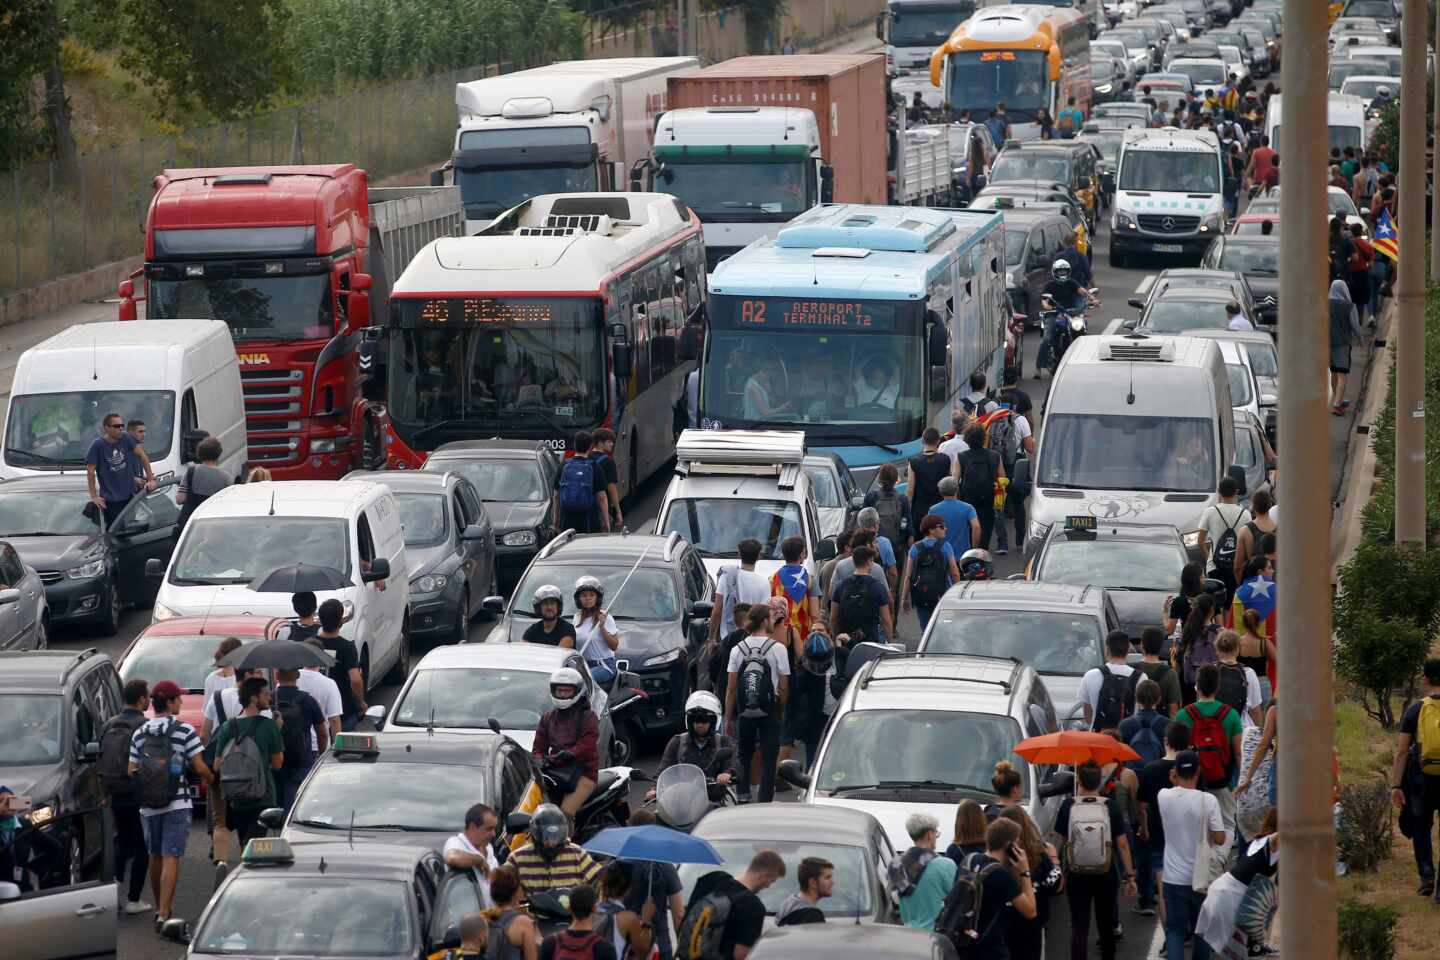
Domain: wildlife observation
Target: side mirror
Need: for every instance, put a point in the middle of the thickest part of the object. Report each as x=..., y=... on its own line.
x=937, y=344
x=1268, y=400
x=1136, y=302
x=1021, y=482
x=826, y=549
x=376, y=715
x=357, y=317
x=379, y=570
x=437, y=177
x=792, y=773
x=272, y=818
x=621, y=361
x=701, y=609
x=9, y=891
x=880, y=26
x=473, y=532
x=126, y=290
x=517, y=823
x=857, y=502
x=1130, y=324
x=1059, y=785
x=9, y=596
x=90, y=752
x=493, y=724
x=687, y=346
x=176, y=931
x=154, y=569
x=827, y=184
x=495, y=605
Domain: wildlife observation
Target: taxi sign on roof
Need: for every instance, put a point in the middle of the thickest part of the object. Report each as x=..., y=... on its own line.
x=357, y=744
x=1081, y=527
x=267, y=850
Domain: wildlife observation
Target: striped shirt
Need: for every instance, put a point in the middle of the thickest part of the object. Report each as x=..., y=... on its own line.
x=570, y=867
x=184, y=742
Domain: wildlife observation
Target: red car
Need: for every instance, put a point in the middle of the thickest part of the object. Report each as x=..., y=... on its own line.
x=1248, y=224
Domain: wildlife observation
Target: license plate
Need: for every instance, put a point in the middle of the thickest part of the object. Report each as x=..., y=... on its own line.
x=1169, y=248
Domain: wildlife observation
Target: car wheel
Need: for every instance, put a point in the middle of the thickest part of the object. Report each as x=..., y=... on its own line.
x=401, y=669
x=77, y=865
x=109, y=623
x=1117, y=259
x=42, y=635
x=462, y=618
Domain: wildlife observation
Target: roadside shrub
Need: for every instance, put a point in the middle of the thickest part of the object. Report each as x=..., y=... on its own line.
x=1367, y=931
x=1363, y=834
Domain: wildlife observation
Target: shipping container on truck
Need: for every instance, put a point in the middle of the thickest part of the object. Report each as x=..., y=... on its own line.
x=298, y=261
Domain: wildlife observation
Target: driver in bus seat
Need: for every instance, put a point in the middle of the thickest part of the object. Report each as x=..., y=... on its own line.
x=877, y=385
x=762, y=397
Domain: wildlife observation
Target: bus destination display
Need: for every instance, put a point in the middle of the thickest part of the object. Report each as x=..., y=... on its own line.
x=781, y=312
x=480, y=311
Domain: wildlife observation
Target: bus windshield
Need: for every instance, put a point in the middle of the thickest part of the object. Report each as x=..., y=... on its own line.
x=254, y=308
x=978, y=79
x=1166, y=170
x=926, y=26
x=458, y=364
x=855, y=369
x=741, y=192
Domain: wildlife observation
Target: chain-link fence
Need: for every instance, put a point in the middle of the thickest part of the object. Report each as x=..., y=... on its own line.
x=58, y=218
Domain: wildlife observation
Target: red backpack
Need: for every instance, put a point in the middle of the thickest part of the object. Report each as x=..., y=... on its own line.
x=1209, y=740
x=576, y=945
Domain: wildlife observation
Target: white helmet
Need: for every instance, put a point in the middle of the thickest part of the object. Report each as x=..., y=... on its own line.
x=1060, y=269
x=588, y=583
x=698, y=704
x=566, y=677
x=547, y=592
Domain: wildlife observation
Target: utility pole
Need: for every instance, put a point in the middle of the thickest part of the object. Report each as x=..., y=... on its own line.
x=1410, y=285
x=1435, y=194
x=1307, y=869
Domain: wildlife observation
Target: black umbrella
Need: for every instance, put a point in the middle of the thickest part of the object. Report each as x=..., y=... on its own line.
x=299, y=578
x=277, y=655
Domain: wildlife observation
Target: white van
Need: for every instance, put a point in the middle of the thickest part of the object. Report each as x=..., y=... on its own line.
x=1136, y=428
x=1344, y=116
x=180, y=378
x=1169, y=194
x=352, y=526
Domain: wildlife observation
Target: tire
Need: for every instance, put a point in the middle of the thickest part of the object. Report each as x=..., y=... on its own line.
x=42, y=635
x=622, y=746
x=109, y=623
x=401, y=668
x=1117, y=259
x=462, y=618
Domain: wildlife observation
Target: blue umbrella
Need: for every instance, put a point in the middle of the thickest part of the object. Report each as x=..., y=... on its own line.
x=654, y=843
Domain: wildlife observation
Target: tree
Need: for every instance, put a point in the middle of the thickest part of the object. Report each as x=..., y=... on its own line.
x=29, y=47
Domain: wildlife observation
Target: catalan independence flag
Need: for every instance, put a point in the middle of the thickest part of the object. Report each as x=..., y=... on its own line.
x=1387, y=237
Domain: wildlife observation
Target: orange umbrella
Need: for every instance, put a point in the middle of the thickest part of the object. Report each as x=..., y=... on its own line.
x=1074, y=747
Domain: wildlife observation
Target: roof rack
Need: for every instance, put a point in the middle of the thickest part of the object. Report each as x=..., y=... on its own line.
x=671, y=543
x=561, y=538
x=1004, y=685
x=744, y=453
x=80, y=658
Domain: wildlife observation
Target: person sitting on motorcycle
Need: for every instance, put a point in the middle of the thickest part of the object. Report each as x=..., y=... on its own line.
x=702, y=744
x=1064, y=291
x=567, y=739
x=550, y=861
x=550, y=628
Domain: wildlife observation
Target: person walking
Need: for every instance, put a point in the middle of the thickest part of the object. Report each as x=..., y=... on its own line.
x=1009, y=789
x=998, y=124
x=1191, y=817
x=827, y=569
x=979, y=473
x=1107, y=692
x=924, y=476
x=1243, y=900
x=756, y=693
x=656, y=893
x=1357, y=268
x=305, y=731
x=584, y=502
x=1415, y=775
x=110, y=472
x=512, y=934
x=346, y=671
x=1220, y=525
x=921, y=878
x=249, y=749
x=631, y=936
x=1153, y=665
x=1345, y=332
x=815, y=881
x=970, y=826
x=962, y=524
x=201, y=480
x=1093, y=829
x=602, y=451
x=792, y=583
x=861, y=603
x=1215, y=737
x=1070, y=120
x=930, y=568
x=306, y=624
x=1247, y=539
x=892, y=509
x=579, y=941
x=1150, y=829
x=744, y=910
x=1026, y=935
x=869, y=520
x=1239, y=684
x=737, y=584
x=473, y=849
x=1007, y=889
x=316, y=682
x=1144, y=730
x=113, y=769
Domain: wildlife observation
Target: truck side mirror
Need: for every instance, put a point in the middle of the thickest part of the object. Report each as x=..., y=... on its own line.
x=621, y=360
x=437, y=177
x=880, y=26
x=937, y=340
x=827, y=184
x=357, y=316
x=637, y=175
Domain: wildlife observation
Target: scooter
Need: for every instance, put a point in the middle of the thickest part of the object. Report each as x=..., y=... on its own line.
x=683, y=794
x=607, y=806
x=626, y=699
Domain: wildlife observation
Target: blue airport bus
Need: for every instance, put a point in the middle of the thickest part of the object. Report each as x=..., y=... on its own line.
x=859, y=325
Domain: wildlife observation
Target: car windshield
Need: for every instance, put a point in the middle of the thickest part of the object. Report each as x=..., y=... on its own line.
x=1030, y=165
x=402, y=796
x=423, y=517
x=1173, y=315
x=1340, y=203
x=741, y=192
x=1239, y=376
x=1114, y=48
x=1055, y=643
x=649, y=593
x=1208, y=74
x=489, y=191
x=1260, y=260
x=1015, y=241
x=1341, y=70
x=59, y=513
x=1113, y=563
x=1263, y=359
x=32, y=729
x=854, y=877
x=822, y=484
x=186, y=660
x=1110, y=452
x=510, y=481
x=1166, y=170
x=1252, y=228
x=1370, y=89
x=218, y=550
x=1102, y=69
x=851, y=761
x=253, y=307
x=269, y=915
x=1263, y=205
x=1106, y=141
x=50, y=429
x=1379, y=9
x=470, y=697
x=716, y=526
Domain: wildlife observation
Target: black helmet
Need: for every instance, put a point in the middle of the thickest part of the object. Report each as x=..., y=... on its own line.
x=549, y=830
x=818, y=653
x=1216, y=589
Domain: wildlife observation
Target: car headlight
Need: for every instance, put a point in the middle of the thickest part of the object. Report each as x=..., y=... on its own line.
x=1103, y=88
x=1038, y=530
x=1210, y=224
x=659, y=660
x=1125, y=223
x=160, y=612
x=430, y=583
x=1192, y=540
x=40, y=816
x=87, y=571
x=520, y=538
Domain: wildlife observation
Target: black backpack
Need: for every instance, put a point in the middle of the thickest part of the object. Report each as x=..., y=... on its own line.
x=703, y=927
x=1234, y=689
x=113, y=766
x=977, y=477
x=959, y=917
x=294, y=730
x=757, y=688
x=157, y=778
x=1117, y=697
x=930, y=577
x=1223, y=557
x=887, y=505
x=858, y=609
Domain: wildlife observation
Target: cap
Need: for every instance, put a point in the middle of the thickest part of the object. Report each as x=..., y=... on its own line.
x=1187, y=763
x=165, y=689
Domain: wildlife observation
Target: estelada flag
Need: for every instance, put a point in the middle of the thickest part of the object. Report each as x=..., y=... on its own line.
x=1387, y=237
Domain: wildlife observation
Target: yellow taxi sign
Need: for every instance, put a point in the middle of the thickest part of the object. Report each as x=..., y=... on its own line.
x=1081, y=522
x=357, y=744
x=268, y=850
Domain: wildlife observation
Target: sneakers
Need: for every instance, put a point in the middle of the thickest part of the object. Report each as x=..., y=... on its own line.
x=133, y=907
x=1144, y=911
x=1001, y=551
x=222, y=869
x=1427, y=887
x=159, y=922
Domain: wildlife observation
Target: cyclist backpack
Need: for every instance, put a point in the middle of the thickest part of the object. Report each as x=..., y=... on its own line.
x=703, y=928
x=577, y=484
x=1000, y=435
x=1116, y=699
x=244, y=771
x=294, y=730
x=1209, y=740
x=157, y=772
x=892, y=525
x=858, y=609
x=757, y=688
x=959, y=916
x=930, y=578
x=1089, y=847
x=1234, y=687
x=113, y=766
x=1427, y=736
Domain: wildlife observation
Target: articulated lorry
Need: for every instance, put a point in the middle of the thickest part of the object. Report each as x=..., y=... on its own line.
x=574, y=126
x=912, y=29
x=751, y=143
x=297, y=261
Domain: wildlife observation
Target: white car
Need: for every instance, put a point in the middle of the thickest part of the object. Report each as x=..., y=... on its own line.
x=1244, y=389
x=1338, y=201
x=1235, y=61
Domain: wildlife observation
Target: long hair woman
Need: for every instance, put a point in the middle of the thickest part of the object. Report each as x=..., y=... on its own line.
x=1026, y=938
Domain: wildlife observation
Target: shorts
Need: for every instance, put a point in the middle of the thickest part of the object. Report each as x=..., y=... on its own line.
x=1340, y=359
x=166, y=833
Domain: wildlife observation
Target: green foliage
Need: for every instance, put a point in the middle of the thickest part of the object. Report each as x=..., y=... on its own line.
x=1367, y=931
x=1363, y=835
x=29, y=33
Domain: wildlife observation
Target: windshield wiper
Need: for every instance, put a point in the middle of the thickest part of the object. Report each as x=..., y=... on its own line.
x=321, y=824
x=42, y=458
x=943, y=784
x=407, y=828
x=849, y=440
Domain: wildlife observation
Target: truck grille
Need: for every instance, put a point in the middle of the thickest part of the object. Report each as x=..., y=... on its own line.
x=272, y=399
x=1165, y=223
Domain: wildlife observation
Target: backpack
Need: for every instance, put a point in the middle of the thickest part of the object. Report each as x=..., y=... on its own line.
x=497, y=940
x=113, y=766
x=959, y=916
x=757, y=688
x=1427, y=736
x=244, y=774
x=977, y=485
x=1089, y=847
x=887, y=504
x=1147, y=742
x=904, y=871
x=577, y=484
x=857, y=603
x=1201, y=652
x=929, y=579
x=294, y=731
x=703, y=928
x=157, y=773
x=576, y=945
x=1234, y=689
x=1361, y=259
x=1000, y=436
x=1223, y=557
x=1208, y=739
x=1116, y=699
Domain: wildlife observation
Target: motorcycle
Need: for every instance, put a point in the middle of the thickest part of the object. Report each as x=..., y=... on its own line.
x=626, y=697
x=1062, y=326
x=683, y=794
x=607, y=806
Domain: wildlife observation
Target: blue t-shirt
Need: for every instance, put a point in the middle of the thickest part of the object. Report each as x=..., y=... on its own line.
x=114, y=467
x=957, y=515
x=946, y=550
x=923, y=905
x=887, y=552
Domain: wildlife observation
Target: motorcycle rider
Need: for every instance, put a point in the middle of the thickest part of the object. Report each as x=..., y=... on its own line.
x=702, y=743
x=567, y=739
x=1063, y=292
x=550, y=860
x=976, y=565
x=549, y=629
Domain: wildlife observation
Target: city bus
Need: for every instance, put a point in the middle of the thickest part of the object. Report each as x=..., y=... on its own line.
x=568, y=312
x=859, y=325
x=1029, y=57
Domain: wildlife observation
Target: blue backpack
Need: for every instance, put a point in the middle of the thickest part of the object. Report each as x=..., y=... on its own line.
x=1148, y=742
x=577, y=484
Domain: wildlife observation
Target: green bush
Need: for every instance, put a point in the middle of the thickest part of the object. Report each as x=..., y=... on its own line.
x=1363, y=835
x=1367, y=932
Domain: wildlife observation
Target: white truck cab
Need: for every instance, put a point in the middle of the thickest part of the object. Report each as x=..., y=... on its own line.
x=1169, y=194
x=733, y=484
x=244, y=531
x=912, y=29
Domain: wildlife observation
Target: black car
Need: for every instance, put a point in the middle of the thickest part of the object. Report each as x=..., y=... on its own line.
x=1257, y=258
x=657, y=590
x=516, y=480
x=53, y=705
x=89, y=574
x=1070, y=163
x=1033, y=239
x=450, y=545
x=1180, y=303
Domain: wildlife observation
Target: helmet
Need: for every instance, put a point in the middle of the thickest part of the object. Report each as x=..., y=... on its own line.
x=589, y=583
x=547, y=592
x=700, y=707
x=549, y=829
x=1216, y=589
x=818, y=654
x=1060, y=269
x=976, y=565
x=566, y=677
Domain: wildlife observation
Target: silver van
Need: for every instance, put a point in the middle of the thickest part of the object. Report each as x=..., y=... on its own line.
x=1136, y=428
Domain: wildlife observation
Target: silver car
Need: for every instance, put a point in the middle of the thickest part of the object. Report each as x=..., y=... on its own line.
x=24, y=615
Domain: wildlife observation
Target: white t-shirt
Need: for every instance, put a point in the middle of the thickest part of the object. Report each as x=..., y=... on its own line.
x=217, y=680
x=739, y=586
x=778, y=658
x=1185, y=814
x=1219, y=517
x=230, y=700
x=1021, y=426
x=590, y=643
x=462, y=844
x=1091, y=683
x=953, y=447
x=1240, y=323
x=326, y=693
